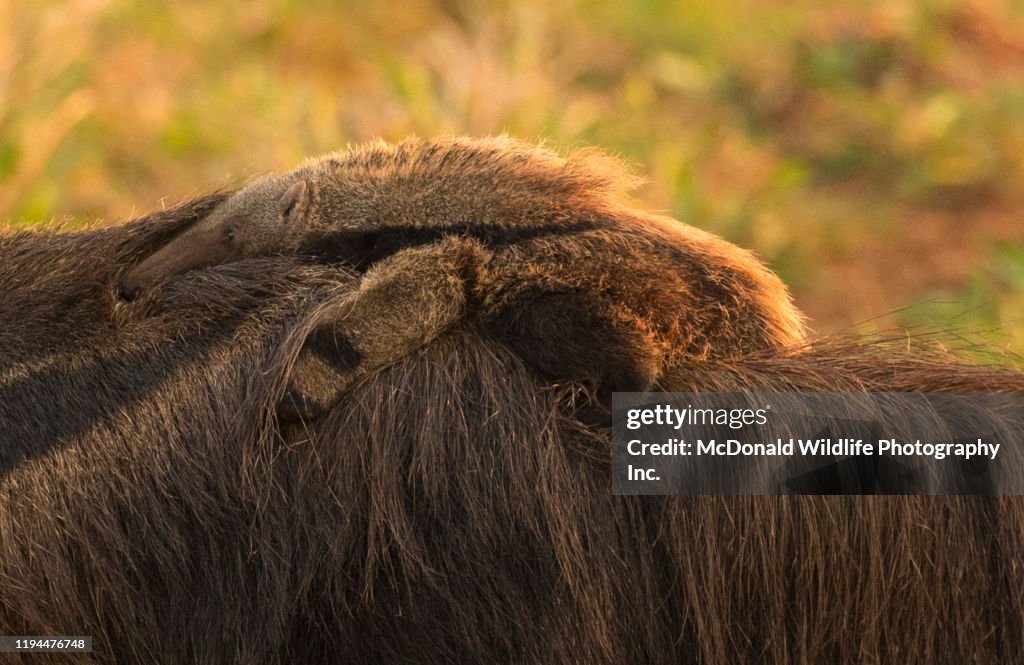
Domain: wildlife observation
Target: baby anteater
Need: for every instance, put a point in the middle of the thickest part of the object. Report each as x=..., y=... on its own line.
x=535, y=249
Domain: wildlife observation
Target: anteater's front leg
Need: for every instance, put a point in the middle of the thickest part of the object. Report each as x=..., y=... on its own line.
x=402, y=303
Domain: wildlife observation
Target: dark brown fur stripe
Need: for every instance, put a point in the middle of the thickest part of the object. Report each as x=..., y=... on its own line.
x=361, y=249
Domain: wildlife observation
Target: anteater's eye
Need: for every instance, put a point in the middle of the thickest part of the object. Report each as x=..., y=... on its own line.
x=230, y=234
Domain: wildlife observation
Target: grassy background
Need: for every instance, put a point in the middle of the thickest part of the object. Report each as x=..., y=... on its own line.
x=871, y=152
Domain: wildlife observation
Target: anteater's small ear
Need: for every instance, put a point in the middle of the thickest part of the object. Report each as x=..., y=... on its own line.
x=294, y=202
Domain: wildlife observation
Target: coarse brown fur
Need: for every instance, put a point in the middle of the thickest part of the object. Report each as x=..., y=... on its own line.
x=551, y=262
x=448, y=510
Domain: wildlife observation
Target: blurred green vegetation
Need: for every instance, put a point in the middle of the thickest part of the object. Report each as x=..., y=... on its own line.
x=871, y=152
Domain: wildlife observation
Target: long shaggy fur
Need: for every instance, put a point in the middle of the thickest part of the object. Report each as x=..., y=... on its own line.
x=448, y=510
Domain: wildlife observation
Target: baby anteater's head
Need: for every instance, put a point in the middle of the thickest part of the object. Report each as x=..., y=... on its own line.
x=261, y=219
x=366, y=202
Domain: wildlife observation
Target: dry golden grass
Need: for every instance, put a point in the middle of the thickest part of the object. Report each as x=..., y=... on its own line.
x=873, y=153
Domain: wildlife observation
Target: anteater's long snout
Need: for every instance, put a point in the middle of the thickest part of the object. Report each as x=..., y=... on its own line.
x=193, y=249
x=127, y=291
x=143, y=276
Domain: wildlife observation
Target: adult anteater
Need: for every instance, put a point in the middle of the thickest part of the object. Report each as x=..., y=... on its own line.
x=449, y=509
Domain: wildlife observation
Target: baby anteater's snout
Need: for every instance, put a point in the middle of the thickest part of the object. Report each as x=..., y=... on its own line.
x=127, y=292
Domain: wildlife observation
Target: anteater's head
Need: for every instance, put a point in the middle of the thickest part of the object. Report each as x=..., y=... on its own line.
x=258, y=220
